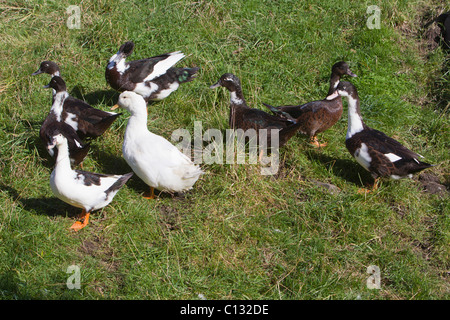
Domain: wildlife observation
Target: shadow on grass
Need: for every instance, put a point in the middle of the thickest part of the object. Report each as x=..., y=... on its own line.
x=10, y=286
x=49, y=206
x=347, y=169
x=108, y=97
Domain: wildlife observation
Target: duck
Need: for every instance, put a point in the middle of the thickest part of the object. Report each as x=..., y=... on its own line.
x=381, y=155
x=243, y=117
x=82, y=189
x=54, y=124
x=87, y=121
x=49, y=67
x=151, y=157
x=154, y=78
x=319, y=115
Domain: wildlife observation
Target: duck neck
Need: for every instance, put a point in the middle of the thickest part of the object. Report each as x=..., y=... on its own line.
x=138, y=119
x=118, y=61
x=63, y=159
x=237, y=98
x=355, y=121
x=334, y=81
x=58, y=103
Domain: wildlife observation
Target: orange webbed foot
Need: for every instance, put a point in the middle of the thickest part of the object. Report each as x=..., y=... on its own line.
x=82, y=222
x=315, y=143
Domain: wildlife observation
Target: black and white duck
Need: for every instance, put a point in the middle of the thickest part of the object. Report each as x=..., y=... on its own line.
x=379, y=154
x=153, y=78
x=54, y=124
x=86, y=190
x=87, y=121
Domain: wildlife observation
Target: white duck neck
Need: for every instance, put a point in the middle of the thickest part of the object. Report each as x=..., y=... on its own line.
x=58, y=103
x=237, y=97
x=138, y=118
x=63, y=160
x=355, y=122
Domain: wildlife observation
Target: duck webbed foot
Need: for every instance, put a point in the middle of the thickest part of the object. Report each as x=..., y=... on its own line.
x=315, y=142
x=372, y=188
x=82, y=222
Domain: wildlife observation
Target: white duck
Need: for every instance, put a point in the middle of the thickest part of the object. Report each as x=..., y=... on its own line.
x=86, y=190
x=153, y=159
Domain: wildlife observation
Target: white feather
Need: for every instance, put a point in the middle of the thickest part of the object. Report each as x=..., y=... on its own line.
x=58, y=102
x=235, y=99
x=165, y=93
x=162, y=66
x=355, y=123
x=392, y=157
x=118, y=61
x=70, y=120
x=362, y=156
x=146, y=89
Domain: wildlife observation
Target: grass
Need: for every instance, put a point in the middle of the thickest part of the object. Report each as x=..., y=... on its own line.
x=237, y=234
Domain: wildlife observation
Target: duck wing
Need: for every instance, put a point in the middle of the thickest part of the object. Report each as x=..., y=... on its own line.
x=258, y=119
x=109, y=181
x=151, y=68
x=309, y=107
x=92, y=122
x=85, y=111
x=387, y=145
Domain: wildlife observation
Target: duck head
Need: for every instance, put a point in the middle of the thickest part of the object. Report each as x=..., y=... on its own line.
x=127, y=48
x=347, y=89
x=49, y=67
x=57, y=140
x=229, y=81
x=344, y=89
x=124, y=51
x=57, y=83
x=131, y=101
x=341, y=68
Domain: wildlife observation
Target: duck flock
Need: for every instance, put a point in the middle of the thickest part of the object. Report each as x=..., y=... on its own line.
x=71, y=123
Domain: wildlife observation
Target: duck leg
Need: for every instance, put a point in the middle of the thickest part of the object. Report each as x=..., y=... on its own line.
x=150, y=194
x=82, y=222
x=374, y=187
x=315, y=142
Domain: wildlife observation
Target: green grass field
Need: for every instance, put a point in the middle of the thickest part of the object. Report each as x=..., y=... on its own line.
x=237, y=234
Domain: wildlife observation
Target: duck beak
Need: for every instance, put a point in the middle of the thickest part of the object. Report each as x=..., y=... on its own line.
x=115, y=107
x=37, y=72
x=351, y=74
x=46, y=86
x=215, y=85
x=332, y=96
